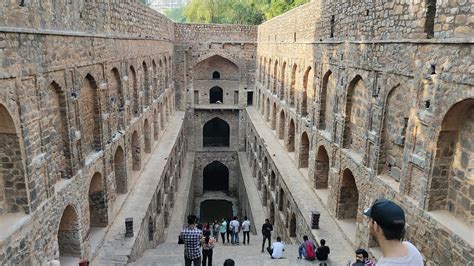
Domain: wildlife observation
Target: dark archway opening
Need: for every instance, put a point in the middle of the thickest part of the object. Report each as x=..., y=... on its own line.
x=216, y=177
x=216, y=95
x=212, y=210
x=216, y=75
x=216, y=133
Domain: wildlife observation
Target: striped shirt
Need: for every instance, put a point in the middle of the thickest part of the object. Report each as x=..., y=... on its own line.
x=192, y=245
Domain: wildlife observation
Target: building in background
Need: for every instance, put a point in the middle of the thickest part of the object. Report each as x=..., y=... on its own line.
x=162, y=5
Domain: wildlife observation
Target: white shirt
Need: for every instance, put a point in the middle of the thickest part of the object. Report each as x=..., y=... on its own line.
x=236, y=225
x=413, y=258
x=277, y=250
x=246, y=226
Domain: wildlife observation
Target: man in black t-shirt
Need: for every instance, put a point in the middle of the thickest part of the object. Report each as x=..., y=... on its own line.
x=322, y=251
x=267, y=229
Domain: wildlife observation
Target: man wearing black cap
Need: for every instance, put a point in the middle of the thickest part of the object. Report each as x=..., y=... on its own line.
x=387, y=226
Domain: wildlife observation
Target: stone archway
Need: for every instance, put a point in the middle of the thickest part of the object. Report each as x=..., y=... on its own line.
x=321, y=172
x=450, y=186
x=281, y=125
x=292, y=96
x=304, y=151
x=267, y=110
x=325, y=108
x=120, y=171
x=348, y=197
x=216, y=133
x=69, y=234
x=290, y=146
x=89, y=110
x=216, y=177
x=281, y=199
x=259, y=181
x=97, y=202
x=132, y=75
x=146, y=83
x=11, y=166
x=272, y=212
x=264, y=195
x=147, y=133
x=136, y=152
x=156, y=125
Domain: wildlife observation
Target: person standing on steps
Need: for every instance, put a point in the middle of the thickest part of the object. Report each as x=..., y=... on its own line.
x=228, y=232
x=235, y=227
x=267, y=229
x=223, y=230
x=322, y=251
x=246, y=229
x=207, y=246
x=387, y=226
x=192, y=239
x=215, y=230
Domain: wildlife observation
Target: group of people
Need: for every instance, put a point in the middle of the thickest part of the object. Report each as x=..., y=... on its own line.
x=386, y=223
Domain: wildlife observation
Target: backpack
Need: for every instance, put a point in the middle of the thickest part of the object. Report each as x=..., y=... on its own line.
x=309, y=251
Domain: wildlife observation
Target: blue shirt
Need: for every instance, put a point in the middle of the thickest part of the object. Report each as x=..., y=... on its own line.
x=192, y=242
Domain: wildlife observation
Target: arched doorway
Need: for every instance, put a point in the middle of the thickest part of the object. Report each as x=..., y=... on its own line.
x=267, y=110
x=292, y=97
x=290, y=146
x=348, y=197
x=264, y=195
x=259, y=180
x=146, y=129
x=69, y=234
x=321, y=172
x=216, y=75
x=281, y=199
x=282, y=83
x=293, y=225
x=97, y=202
x=11, y=166
x=216, y=95
x=156, y=125
x=304, y=101
x=450, y=187
x=304, y=151
x=216, y=133
x=120, y=171
x=216, y=177
x=146, y=83
x=281, y=125
x=272, y=180
x=136, y=152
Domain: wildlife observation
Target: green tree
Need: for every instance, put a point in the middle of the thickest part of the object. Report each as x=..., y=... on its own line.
x=176, y=14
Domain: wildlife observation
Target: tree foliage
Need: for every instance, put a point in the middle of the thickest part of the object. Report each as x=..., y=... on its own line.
x=250, y=12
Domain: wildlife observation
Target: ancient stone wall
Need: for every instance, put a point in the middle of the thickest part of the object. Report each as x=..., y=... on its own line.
x=375, y=97
x=77, y=80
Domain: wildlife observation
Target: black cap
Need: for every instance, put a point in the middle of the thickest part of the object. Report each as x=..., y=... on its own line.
x=386, y=213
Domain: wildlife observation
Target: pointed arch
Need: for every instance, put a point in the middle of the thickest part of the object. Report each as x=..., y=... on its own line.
x=147, y=133
x=132, y=74
x=325, y=108
x=155, y=85
x=321, y=173
x=304, y=100
x=292, y=97
x=275, y=78
x=281, y=125
x=348, y=196
x=146, y=83
x=267, y=110
x=216, y=133
x=11, y=167
x=274, y=116
x=291, y=136
x=355, y=115
x=216, y=177
x=156, y=125
x=69, y=234
x=293, y=225
x=97, y=202
x=136, y=152
x=216, y=95
x=117, y=99
x=304, y=151
x=120, y=171
x=90, y=116
x=282, y=83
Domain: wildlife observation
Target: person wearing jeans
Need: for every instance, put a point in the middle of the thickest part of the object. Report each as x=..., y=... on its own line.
x=191, y=237
x=246, y=229
x=267, y=229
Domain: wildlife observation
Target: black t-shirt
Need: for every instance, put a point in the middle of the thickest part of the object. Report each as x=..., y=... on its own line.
x=322, y=252
x=267, y=229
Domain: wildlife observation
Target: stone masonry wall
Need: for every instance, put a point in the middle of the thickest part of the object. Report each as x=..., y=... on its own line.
x=50, y=52
x=400, y=88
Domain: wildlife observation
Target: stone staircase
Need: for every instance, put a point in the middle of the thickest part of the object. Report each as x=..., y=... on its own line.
x=171, y=254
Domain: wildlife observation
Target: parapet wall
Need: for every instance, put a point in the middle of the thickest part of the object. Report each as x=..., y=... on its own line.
x=109, y=17
x=220, y=33
x=378, y=20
